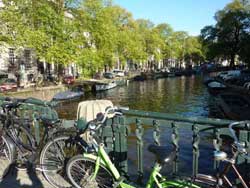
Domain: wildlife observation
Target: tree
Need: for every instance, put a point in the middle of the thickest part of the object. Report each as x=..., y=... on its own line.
x=39, y=25
x=152, y=41
x=193, y=53
x=227, y=36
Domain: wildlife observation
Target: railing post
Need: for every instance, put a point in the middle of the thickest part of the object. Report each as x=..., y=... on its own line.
x=196, y=152
x=139, y=136
x=156, y=133
x=120, y=144
x=217, y=144
x=175, y=142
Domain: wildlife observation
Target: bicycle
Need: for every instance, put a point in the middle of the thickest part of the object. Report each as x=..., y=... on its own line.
x=17, y=134
x=7, y=148
x=95, y=169
x=238, y=148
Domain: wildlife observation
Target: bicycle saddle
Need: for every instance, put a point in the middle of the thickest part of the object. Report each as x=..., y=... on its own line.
x=163, y=154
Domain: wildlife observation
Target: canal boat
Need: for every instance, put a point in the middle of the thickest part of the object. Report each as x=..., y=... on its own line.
x=73, y=94
x=234, y=106
x=215, y=86
x=139, y=78
x=171, y=74
x=105, y=86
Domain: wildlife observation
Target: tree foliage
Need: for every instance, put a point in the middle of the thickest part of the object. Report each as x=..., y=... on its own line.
x=227, y=38
x=91, y=33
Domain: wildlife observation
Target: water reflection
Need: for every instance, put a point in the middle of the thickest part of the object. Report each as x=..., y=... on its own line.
x=183, y=95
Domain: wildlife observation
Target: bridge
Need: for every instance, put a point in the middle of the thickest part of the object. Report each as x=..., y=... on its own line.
x=127, y=137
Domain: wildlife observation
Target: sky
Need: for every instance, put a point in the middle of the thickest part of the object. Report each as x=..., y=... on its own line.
x=182, y=15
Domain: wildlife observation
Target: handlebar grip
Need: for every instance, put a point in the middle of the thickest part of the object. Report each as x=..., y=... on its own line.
x=123, y=108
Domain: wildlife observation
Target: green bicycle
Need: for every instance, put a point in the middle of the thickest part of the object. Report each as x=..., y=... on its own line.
x=95, y=168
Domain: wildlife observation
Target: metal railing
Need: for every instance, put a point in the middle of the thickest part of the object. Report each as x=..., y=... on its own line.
x=137, y=123
x=155, y=127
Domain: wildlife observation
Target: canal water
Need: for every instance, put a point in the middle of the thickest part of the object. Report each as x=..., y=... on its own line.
x=180, y=95
x=185, y=96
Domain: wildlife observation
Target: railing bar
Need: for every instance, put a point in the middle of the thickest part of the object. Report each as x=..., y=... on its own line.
x=217, y=142
x=196, y=152
x=175, y=141
x=156, y=132
x=139, y=136
x=174, y=117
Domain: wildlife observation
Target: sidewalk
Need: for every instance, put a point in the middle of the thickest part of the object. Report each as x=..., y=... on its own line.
x=21, y=179
x=31, y=89
x=43, y=93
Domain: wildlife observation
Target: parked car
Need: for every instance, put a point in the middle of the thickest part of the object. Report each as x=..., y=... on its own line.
x=8, y=84
x=68, y=80
x=108, y=75
x=118, y=73
x=227, y=75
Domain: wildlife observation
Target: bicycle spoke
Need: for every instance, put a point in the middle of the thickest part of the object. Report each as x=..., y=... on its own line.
x=53, y=160
x=81, y=172
x=5, y=158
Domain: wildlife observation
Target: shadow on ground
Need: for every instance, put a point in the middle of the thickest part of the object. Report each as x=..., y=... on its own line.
x=19, y=179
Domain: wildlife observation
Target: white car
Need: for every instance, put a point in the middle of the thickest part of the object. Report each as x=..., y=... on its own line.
x=229, y=74
x=118, y=73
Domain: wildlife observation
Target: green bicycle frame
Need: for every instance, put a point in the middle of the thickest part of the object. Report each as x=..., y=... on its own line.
x=155, y=179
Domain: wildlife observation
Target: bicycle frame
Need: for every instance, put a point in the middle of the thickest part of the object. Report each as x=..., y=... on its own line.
x=155, y=178
x=227, y=169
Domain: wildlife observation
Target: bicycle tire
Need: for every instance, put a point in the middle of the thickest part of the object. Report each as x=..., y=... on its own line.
x=83, y=168
x=6, y=156
x=53, y=161
x=24, y=137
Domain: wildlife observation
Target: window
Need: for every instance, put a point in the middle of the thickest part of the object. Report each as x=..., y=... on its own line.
x=27, y=56
x=11, y=56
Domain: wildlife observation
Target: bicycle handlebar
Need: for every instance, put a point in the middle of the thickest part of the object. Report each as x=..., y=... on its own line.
x=116, y=111
x=100, y=122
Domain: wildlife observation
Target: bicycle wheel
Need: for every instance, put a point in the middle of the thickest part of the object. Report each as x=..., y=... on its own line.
x=6, y=156
x=54, y=157
x=23, y=137
x=79, y=170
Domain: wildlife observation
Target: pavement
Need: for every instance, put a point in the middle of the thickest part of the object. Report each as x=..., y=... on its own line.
x=24, y=179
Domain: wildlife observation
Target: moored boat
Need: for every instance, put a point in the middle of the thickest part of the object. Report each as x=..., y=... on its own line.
x=72, y=94
x=105, y=86
x=234, y=106
x=171, y=74
x=215, y=87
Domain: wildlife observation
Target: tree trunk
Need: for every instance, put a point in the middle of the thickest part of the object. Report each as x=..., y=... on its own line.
x=232, y=61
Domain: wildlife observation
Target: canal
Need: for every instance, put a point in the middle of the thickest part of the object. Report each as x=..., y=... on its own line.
x=180, y=95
